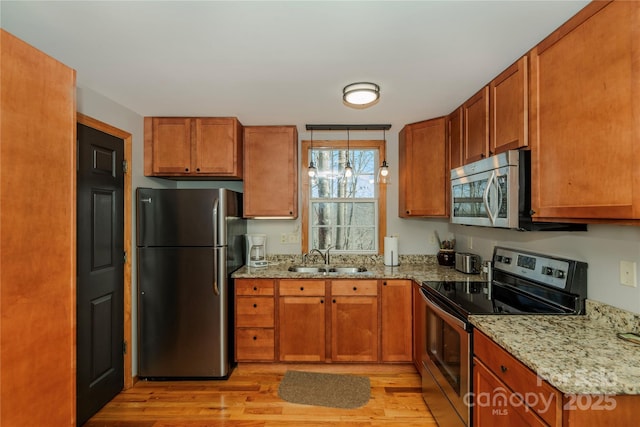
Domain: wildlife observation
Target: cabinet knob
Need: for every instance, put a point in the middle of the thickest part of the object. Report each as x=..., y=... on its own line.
x=255, y=305
x=321, y=301
x=384, y=283
x=186, y=169
x=255, y=288
x=355, y=289
x=503, y=368
x=197, y=169
x=334, y=301
x=255, y=338
x=408, y=211
x=302, y=288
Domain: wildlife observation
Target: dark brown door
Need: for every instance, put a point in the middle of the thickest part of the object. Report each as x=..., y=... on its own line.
x=100, y=265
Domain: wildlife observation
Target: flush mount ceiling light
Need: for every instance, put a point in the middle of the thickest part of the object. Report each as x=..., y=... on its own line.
x=361, y=94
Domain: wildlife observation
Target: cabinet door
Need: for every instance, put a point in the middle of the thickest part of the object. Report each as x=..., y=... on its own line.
x=271, y=171
x=423, y=170
x=170, y=145
x=495, y=405
x=509, y=107
x=454, y=139
x=217, y=147
x=301, y=329
x=476, y=126
x=354, y=329
x=585, y=104
x=395, y=301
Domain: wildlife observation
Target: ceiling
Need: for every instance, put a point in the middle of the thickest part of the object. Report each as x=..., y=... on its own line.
x=286, y=62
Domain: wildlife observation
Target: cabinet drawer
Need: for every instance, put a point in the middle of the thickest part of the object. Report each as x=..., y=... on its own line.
x=254, y=287
x=302, y=287
x=254, y=311
x=518, y=377
x=354, y=287
x=255, y=344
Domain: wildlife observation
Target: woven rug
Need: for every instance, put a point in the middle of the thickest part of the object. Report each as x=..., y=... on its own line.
x=332, y=390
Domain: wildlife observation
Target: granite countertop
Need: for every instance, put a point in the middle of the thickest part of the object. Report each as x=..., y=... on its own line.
x=575, y=354
x=428, y=269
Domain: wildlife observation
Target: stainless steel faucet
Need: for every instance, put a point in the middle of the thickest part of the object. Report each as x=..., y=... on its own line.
x=315, y=250
x=325, y=256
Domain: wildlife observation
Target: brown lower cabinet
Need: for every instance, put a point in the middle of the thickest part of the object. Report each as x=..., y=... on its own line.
x=507, y=393
x=310, y=320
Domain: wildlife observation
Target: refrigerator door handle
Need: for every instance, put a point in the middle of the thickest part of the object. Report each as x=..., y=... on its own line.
x=216, y=289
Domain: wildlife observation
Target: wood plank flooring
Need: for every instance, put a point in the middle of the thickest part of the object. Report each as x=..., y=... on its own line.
x=249, y=398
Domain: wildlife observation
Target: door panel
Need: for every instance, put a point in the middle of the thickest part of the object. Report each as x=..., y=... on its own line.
x=100, y=266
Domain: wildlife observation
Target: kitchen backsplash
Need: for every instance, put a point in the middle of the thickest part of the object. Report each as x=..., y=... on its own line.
x=615, y=318
x=341, y=259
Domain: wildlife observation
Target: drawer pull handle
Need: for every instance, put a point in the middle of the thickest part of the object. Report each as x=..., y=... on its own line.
x=503, y=368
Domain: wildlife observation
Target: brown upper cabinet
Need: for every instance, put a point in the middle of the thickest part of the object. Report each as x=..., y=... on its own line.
x=424, y=173
x=584, y=117
x=187, y=147
x=476, y=126
x=454, y=138
x=509, y=106
x=271, y=171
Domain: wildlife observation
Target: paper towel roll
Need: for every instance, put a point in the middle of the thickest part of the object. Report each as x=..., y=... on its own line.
x=391, y=251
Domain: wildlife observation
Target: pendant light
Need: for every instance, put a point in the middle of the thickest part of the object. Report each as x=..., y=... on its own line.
x=348, y=170
x=311, y=170
x=383, y=172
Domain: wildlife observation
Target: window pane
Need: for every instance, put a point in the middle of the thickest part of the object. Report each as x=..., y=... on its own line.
x=359, y=239
x=331, y=182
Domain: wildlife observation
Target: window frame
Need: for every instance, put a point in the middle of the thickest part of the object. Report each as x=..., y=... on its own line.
x=377, y=144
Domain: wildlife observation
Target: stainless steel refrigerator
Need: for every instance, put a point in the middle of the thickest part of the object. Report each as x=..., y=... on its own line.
x=189, y=241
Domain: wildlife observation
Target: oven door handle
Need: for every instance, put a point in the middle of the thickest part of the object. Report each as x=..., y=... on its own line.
x=448, y=317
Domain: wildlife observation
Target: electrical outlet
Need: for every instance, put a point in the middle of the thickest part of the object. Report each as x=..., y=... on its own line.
x=628, y=274
x=293, y=237
x=433, y=240
x=283, y=238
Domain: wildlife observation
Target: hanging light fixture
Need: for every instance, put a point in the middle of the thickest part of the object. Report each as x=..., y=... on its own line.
x=360, y=94
x=383, y=172
x=348, y=170
x=311, y=170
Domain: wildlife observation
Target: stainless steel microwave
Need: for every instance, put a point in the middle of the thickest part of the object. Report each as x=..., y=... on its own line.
x=496, y=192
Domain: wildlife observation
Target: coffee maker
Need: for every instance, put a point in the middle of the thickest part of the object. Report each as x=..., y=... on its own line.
x=256, y=250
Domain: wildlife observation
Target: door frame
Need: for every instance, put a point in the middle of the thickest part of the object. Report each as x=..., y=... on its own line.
x=126, y=137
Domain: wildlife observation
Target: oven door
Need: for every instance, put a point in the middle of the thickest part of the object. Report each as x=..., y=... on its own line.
x=446, y=383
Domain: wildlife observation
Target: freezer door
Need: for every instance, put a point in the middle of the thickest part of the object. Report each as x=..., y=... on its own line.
x=184, y=313
x=185, y=217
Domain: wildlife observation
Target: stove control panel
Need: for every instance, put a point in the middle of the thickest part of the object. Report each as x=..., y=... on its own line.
x=540, y=268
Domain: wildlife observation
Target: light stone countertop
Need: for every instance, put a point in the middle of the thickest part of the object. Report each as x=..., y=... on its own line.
x=418, y=271
x=575, y=354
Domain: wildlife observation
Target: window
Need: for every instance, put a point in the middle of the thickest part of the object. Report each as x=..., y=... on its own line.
x=348, y=214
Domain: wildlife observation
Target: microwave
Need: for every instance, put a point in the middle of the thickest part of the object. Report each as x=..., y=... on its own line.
x=496, y=192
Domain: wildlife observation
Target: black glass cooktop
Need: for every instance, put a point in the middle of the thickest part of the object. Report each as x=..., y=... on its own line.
x=467, y=298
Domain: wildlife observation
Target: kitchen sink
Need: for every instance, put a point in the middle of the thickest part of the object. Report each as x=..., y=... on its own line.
x=338, y=269
x=344, y=270
x=305, y=269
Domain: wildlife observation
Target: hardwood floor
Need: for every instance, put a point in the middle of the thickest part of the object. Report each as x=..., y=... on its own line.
x=250, y=399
